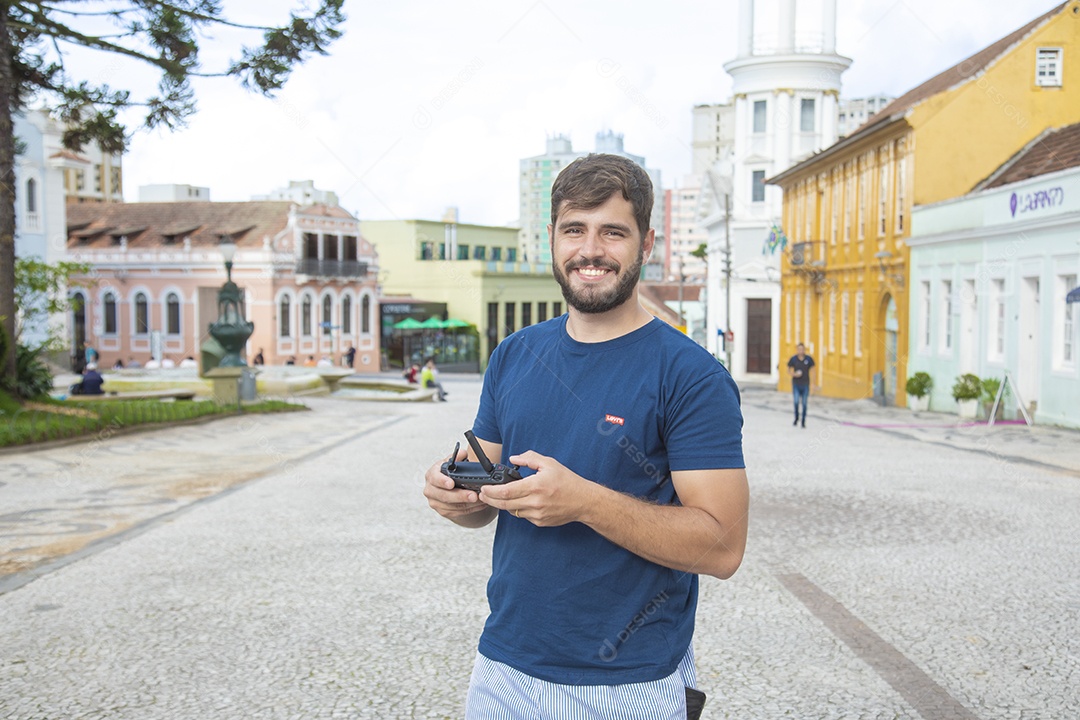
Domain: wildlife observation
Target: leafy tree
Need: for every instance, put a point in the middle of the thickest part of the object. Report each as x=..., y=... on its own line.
x=35, y=36
x=41, y=291
x=701, y=252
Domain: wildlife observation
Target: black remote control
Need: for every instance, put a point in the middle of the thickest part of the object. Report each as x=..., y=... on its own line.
x=475, y=475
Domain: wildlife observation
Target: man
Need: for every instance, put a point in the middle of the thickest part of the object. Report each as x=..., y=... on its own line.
x=350, y=356
x=91, y=381
x=799, y=367
x=629, y=438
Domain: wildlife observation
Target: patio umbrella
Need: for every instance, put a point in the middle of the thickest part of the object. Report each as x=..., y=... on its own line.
x=408, y=324
x=433, y=323
x=455, y=323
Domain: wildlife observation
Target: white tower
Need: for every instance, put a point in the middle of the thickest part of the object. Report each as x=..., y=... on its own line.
x=786, y=89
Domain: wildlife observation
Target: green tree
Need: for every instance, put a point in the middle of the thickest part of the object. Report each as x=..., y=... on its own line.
x=41, y=291
x=34, y=38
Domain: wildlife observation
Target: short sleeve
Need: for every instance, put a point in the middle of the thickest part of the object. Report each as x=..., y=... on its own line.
x=486, y=424
x=703, y=430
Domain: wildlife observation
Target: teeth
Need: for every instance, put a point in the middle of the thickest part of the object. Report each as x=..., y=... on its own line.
x=592, y=272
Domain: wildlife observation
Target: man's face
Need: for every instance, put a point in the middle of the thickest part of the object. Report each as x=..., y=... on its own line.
x=597, y=254
x=800, y=351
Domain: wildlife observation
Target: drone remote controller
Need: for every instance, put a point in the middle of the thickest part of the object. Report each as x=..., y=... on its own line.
x=475, y=475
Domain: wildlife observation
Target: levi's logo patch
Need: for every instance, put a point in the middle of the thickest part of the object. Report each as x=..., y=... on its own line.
x=614, y=420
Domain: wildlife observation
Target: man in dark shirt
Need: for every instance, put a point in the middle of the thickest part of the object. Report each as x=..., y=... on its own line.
x=92, y=381
x=799, y=367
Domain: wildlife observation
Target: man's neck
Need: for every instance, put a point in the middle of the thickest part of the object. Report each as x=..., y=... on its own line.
x=601, y=327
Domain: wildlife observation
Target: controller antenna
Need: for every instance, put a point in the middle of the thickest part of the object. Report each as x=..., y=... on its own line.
x=452, y=467
x=475, y=445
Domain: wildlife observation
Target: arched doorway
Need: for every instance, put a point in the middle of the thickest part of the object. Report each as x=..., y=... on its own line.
x=78, y=329
x=892, y=330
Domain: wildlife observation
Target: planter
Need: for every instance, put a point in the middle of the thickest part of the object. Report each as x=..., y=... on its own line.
x=969, y=409
x=919, y=404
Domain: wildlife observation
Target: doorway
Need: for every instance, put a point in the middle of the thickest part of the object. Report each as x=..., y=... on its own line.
x=969, y=311
x=1028, y=356
x=892, y=330
x=759, y=336
x=78, y=329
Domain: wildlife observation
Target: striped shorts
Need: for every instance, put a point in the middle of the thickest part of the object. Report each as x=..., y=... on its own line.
x=499, y=692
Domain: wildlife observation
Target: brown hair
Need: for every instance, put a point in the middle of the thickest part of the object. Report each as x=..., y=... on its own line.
x=588, y=182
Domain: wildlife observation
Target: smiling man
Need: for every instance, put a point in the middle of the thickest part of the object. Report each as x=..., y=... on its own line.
x=629, y=438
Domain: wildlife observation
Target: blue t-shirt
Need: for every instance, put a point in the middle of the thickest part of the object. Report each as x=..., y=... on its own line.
x=567, y=605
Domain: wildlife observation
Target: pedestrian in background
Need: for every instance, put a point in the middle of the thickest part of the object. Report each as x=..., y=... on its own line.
x=429, y=378
x=800, y=368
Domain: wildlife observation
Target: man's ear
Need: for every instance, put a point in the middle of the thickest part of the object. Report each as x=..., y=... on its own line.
x=649, y=240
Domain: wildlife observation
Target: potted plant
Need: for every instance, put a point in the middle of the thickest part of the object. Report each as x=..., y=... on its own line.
x=966, y=391
x=990, y=388
x=918, y=390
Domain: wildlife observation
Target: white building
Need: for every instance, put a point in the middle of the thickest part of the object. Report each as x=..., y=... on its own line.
x=301, y=192
x=855, y=111
x=538, y=173
x=46, y=176
x=713, y=135
x=786, y=86
x=682, y=226
x=173, y=193
x=992, y=274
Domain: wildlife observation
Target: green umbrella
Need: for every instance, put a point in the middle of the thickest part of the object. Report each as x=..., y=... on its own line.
x=455, y=323
x=432, y=323
x=408, y=324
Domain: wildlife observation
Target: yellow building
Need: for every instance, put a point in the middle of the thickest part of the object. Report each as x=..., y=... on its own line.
x=474, y=269
x=847, y=209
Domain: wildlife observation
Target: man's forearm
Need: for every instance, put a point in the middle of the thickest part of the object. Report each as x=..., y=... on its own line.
x=478, y=519
x=681, y=538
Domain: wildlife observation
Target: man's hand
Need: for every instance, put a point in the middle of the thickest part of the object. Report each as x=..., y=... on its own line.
x=553, y=496
x=461, y=506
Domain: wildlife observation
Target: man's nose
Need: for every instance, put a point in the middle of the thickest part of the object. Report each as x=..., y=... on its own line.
x=591, y=245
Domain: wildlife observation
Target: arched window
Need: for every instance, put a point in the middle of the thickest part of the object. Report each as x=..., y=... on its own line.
x=285, y=317
x=142, y=315
x=172, y=314
x=327, y=310
x=346, y=315
x=31, y=195
x=365, y=314
x=109, y=303
x=305, y=316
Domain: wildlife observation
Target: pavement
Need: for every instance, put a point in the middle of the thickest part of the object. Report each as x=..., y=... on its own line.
x=899, y=565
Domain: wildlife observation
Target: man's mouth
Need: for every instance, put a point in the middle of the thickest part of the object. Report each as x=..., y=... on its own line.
x=591, y=272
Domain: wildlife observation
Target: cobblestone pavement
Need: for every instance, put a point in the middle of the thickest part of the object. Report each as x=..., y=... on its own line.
x=890, y=573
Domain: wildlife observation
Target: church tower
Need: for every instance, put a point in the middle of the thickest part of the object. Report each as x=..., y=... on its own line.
x=785, y=95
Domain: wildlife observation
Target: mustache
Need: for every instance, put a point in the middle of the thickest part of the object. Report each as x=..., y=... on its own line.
x=593, y=262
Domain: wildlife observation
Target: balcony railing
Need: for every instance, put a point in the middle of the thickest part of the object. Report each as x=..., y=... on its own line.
x=331, y=268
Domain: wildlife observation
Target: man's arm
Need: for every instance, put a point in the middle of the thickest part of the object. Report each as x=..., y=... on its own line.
x=463, y=507
x=707, y=534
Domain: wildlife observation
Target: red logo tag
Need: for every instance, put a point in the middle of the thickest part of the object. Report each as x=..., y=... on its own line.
x=614, y=419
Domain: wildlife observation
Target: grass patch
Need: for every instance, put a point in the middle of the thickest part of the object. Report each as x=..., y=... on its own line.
x=47, y=420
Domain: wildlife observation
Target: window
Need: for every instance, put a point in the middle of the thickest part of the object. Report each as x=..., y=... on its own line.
x=1048, y=67
x=526, y=314
x=365, y=315
x=901, y=180
x=496, y=254
x=798, y=314
x=511, y=254
x=305, y=316
x=845, y=303
x=759, y=116
x=462, y=252
x=788, y=319
x=97, y=178
x=757, y=186
x=834, y=228
x=109, y=320
x=284, y=317
x=849, y=203
x=556, y=309
x=80, y=180
x=806, y=115
x=172, y=314
x=1065, y=353
x=142, y=314
x=492, y=326
x=807, y=307
x=997, y=324
x=346, y=315
x=945, y=329
x=861, y=220
x=427, y=251
x=31, y=195
x=479, y=253
x=858, y=323
x=508, y=323
x=883, y=199
x=832, y=322
x=541, y=312
x=114, y=181
x=924, y=314
x=327, y=312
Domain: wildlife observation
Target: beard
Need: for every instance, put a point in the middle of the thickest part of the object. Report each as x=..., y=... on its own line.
x=594, y=300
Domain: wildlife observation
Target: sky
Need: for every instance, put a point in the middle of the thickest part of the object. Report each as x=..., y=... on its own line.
x=427, y=104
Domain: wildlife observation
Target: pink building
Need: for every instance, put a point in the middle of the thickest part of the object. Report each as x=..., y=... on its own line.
x=308, y=277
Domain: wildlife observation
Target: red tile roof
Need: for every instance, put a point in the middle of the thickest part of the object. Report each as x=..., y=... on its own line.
x=1055, y=149
x=156, y=224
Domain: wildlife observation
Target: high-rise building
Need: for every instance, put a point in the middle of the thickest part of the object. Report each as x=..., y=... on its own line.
x=786, y=86
x=855, y=111
x=536, y=177
x=684, y=232
x=713, y=135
